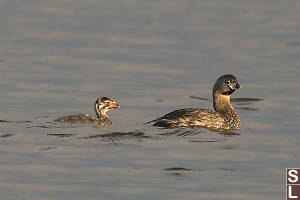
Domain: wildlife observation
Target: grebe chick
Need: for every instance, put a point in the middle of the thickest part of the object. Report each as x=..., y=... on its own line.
x=223, y=118
x=102, y=105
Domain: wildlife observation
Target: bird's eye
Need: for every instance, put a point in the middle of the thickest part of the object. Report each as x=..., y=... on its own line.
x=227, y=82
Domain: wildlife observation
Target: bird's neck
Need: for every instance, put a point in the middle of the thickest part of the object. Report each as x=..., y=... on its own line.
x=100, y=113
x=222, y=105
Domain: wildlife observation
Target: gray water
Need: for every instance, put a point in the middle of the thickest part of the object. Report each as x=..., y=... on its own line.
x=58, y=56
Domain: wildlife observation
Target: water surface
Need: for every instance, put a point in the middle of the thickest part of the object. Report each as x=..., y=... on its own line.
x=57, y=57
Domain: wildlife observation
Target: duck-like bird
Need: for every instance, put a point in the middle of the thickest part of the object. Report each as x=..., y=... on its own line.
x=102, y=106
x=223, y=117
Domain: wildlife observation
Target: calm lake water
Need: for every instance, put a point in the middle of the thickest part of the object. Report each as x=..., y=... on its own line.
x=57, y=57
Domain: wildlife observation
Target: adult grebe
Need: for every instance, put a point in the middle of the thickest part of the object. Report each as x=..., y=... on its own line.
x=224, y=117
